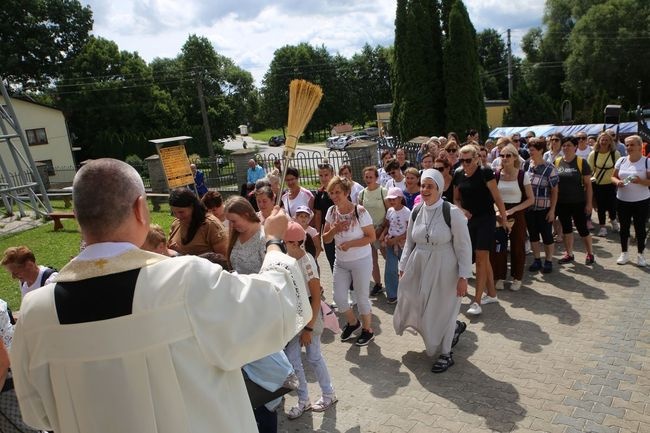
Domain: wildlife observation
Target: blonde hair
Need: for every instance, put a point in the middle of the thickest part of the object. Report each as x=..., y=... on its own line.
x=511, y=149
x=469, y=148
x=155, y=236
x=341, y=182
x=503, y=141
x=601, y=136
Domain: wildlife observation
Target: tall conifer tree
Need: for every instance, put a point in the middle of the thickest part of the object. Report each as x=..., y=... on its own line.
x=465, y=104
x=418, y=87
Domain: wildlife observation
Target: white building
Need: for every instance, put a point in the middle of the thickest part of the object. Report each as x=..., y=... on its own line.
x=47, y=135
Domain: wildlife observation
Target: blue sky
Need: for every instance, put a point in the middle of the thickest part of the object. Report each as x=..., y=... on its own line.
x=249, y=31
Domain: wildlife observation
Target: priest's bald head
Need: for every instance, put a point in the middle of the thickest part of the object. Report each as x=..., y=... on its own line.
x=110, y=202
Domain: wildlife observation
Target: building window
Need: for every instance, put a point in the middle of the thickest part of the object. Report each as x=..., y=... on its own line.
x=36, y=136
x=50, y=166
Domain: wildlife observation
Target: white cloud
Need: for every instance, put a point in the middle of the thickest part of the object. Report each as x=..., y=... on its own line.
x=249, y=31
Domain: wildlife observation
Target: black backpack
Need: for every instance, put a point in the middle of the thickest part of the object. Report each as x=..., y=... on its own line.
x=47, y=274
x=446, y=212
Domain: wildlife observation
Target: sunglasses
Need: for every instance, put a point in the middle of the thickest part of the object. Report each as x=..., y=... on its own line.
x=555, y=139
x=452, y=150
x=466, y=160
x=582, y=138
x=441, y=168
x=506, y=155
x=324, y=167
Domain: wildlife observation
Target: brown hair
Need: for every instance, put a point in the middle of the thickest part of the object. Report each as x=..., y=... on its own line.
x=212, y=199
x=371, y=168
x=18, y=256
x=242, y=207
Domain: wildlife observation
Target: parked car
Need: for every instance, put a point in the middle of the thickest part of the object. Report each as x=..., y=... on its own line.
x=338, y=142
x=276, y=140
x=360, y=136
x=372, y=131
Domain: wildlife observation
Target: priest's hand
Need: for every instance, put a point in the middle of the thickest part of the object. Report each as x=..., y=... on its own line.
x=276, y=224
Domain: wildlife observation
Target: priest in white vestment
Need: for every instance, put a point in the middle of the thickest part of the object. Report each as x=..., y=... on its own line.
x=131, y=341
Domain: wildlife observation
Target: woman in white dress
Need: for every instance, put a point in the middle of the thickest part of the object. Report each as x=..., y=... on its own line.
x=433, y=271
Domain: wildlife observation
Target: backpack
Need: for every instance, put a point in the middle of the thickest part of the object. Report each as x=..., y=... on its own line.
x=579, y=159
x=446, y=212
x=381, y=192
x=520, y=182
x=602, y=168
x=46, y=274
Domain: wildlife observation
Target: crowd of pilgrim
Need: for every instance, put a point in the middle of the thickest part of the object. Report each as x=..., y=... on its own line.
x=460, y=210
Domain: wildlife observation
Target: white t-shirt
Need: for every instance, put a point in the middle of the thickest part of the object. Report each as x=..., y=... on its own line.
x=311, y=231
x=584, y=153
x=302, y=199
x=401, y=184
x=308, y=268
x=510, y=191
x=353, y=232
x=354, y=194
x=398, y=221
x=24, y=288
x=632, y=191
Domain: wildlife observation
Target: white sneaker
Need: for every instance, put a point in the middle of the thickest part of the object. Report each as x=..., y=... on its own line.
x=489, y=299
x=615, y=226
x=516, y=285
x=640, y=261
x=474, y=309
x=602, y=232
x=498, y=285
x=623, y=259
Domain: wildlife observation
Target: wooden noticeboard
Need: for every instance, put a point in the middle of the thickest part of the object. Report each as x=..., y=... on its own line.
x=176, y=165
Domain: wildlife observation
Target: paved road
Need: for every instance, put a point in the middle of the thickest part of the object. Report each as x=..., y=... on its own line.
x=570, y=352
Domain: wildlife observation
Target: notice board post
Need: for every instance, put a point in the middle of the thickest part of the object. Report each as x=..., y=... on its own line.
x=174, y=160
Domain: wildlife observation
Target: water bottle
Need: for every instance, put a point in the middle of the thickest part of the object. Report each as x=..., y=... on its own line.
x=629, y=179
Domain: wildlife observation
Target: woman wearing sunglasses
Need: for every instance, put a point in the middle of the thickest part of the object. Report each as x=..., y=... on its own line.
x=574, y=199
x=517, y=194
x=540, y=216
x=475, y=194
x=632, y=178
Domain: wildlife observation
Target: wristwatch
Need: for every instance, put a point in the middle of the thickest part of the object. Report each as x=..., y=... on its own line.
x=278, y=242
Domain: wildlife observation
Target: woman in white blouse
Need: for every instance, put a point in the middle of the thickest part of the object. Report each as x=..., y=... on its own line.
x=632, y=178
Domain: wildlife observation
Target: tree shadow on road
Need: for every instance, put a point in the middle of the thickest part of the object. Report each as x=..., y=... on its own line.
x=469, y=388
x=541, y=304
x=529, y=334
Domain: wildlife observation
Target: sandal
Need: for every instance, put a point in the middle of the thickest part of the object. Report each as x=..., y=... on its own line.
x=324, y=402
x=442, y=364
x=300, y=408
x=460, y=328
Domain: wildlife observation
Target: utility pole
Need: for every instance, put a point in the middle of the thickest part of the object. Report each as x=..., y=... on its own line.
x=204, y=114
x=509, y=67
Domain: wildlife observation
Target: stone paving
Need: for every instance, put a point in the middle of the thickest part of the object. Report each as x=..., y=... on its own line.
x=569, y=352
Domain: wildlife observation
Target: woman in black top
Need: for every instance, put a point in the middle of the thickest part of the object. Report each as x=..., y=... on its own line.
x=475, y=194
x=443, y=166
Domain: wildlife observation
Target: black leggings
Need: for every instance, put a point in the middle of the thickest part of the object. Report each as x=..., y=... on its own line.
x=572, y=211
x=537, y=225
x=637, y=211
x=605, y=196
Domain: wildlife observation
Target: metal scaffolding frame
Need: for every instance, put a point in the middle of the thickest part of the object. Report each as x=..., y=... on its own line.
x=19, y=190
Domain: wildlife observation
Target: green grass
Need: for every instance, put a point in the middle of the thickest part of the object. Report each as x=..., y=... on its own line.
x=54, y=248
x=266, y=134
